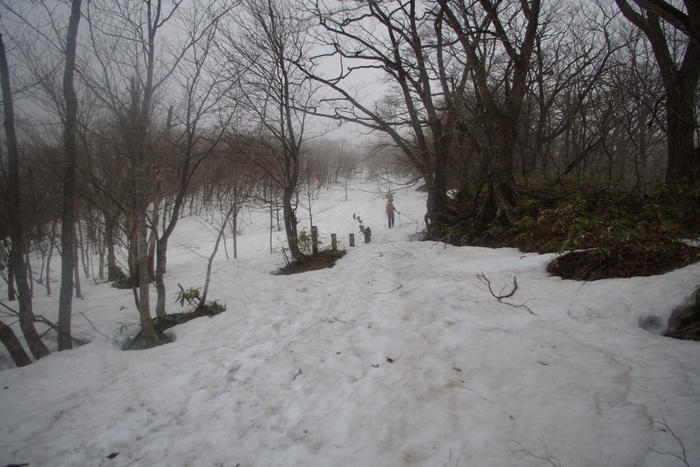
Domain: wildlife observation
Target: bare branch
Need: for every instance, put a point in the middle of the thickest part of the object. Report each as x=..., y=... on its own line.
x=547, y=457
x=501, y=295
x=665, y=427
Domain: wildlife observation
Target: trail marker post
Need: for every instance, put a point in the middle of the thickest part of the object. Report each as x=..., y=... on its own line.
x=314, y=239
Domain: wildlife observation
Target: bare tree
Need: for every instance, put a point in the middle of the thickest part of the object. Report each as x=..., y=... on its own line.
x=571, y=62
x=313, y=175
x=45, y=44
x=68, y=259
x=638, y=137
x=271, y=40
x=204, y=86
x=17, y=250
x=236, y=179
x=127, y=54
x=498, y=40
x=225, y=216
x=106, y=187
x=409, y=43
x=662, y=23
x=134, y=69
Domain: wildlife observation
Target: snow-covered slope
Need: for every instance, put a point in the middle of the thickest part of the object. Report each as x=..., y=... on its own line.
x=397, y=356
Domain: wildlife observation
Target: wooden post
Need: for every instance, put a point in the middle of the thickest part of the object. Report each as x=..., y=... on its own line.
x=314, y=239
x=368, y=234
x=334, y=242
x=352, y=239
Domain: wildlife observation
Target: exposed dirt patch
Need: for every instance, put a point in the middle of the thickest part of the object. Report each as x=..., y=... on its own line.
x=322, y=260
x=632, y=261
x=612, y=233
x=162, y=323
x=609, y=233
x=689, y=325
x=629, y=261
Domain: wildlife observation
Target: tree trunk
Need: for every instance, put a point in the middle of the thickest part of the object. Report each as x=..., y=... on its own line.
x=11, y=292
x=101, y=250
x=112, y=269
x=501, y=114
x=235, y=234
x=133, y=249
x=498, y=205
x=30, y=274
x=272, y=226
x=147, y=330
x=26, y=314
x=152, y=241
x=83, y=250
x=65, y=303
x=161, y=257
x=76, y=275
x=290, y=224
x=683, y=157
x=9, y=339
x=438, y=201
x=48, y=259
x=680, y=82
x=203, y=300
x=161, y=244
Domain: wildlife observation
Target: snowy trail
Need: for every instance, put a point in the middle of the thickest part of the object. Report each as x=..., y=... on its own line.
x=399, y=355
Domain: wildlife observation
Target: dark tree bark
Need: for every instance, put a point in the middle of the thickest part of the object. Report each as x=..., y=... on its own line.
x=161, y=264
x=9, y=339
x=11, y=292
x=113, y=271
x=140, y=192
x=516, y=31
x=680, y=80
x=68, y=255
x=26, y=314
x=48, y=258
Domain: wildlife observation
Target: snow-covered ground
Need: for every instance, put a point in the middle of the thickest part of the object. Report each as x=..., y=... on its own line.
x=397, y=356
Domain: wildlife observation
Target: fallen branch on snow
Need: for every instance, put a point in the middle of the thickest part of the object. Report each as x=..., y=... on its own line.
x=665, y=427
x=501, y=295
x=547, y=457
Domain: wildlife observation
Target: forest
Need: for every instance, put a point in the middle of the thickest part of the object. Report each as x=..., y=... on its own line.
x=565, y=126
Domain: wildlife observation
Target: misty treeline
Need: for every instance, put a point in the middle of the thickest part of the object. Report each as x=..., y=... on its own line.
x=132, y=114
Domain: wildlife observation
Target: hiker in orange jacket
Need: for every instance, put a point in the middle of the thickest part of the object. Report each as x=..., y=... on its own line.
x=390, y=210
